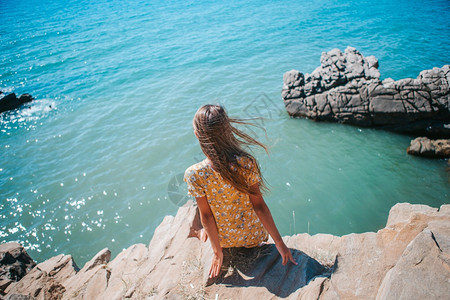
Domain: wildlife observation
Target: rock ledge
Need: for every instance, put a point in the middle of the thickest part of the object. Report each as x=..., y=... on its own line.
x=408, y=259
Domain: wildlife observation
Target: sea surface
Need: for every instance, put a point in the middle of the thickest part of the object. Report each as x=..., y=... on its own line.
x=97, y=159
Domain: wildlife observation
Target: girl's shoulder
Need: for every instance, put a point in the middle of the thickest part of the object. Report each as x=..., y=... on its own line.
x=196, y=168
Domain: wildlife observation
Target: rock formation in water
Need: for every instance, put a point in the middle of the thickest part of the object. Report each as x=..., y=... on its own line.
x=10, y=101
x=423, y=146
x=346, y=88
x=408, y=259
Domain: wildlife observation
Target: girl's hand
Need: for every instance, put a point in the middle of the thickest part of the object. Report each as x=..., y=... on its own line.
x=285, y=253
x=216, y=265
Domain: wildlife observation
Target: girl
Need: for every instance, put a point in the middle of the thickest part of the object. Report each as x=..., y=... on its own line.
x=227, y=187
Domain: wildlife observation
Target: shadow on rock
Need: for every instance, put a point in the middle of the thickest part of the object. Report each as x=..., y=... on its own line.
x=261, y=267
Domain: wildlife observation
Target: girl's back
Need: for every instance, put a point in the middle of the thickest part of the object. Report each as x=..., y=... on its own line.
x=237, y=223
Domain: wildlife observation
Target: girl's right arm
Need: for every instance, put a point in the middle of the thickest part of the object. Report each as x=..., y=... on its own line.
x=209, y=223
x=263, y=213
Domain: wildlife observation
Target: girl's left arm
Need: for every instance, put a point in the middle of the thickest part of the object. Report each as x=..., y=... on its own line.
x=263, y=213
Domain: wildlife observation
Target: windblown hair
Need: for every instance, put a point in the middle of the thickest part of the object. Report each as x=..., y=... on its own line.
x=223, y=144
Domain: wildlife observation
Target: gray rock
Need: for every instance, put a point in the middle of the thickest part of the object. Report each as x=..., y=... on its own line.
x=15, y=263
x=420, y=105
x=410, y=277
x=19, y=297
x=101, y=258
x=423, y=146
x=44, y=281
x=408, y=259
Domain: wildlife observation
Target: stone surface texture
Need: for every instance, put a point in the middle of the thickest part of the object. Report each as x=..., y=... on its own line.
x=15, y=263
x=346, y=88
x=408, y=259
x=423, y=146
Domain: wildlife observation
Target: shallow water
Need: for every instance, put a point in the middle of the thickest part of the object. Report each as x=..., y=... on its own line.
x=94, y=161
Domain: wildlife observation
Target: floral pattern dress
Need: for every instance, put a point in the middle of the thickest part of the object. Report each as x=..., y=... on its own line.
x=237, y=223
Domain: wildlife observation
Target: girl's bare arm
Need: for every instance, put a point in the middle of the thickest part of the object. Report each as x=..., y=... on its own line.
x=209, y=223
x=263, y=213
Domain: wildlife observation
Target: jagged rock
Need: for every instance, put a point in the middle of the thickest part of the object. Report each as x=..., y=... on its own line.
x=100, y=258
x=346, y=88
x=15, y=263
x=11, y=101
x=364, y=260
x=423, y=146
x=408, y=259
x=421, y=258
x=44, y=281
x=25, y=98
x=91, y=278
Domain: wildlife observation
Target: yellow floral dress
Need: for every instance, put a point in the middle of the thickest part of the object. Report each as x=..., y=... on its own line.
x=237, y=223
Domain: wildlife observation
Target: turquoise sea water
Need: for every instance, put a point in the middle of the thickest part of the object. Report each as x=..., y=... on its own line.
x=94, y=161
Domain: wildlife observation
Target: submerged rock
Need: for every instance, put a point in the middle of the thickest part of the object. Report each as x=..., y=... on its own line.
x=423, y=146
x=346, y=88
x=408, y=259
x=10, y=101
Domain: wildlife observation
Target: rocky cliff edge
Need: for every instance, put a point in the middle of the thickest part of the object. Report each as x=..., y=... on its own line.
x=408, y=259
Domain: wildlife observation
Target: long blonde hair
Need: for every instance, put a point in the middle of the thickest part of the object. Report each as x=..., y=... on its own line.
x=223, y=144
